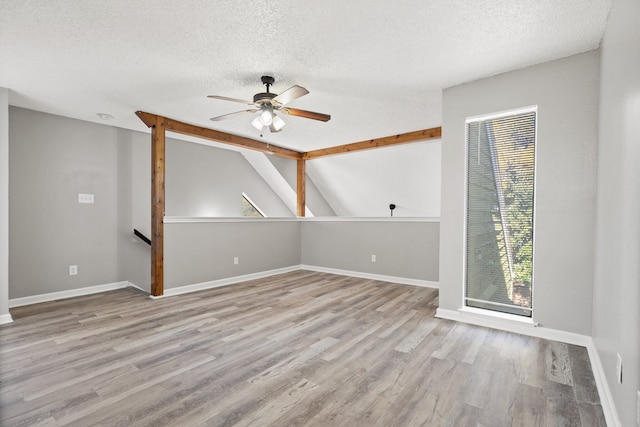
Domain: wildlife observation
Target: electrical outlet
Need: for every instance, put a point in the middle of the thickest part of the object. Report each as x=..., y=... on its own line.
x=85, y=198
x=619, y=368
x=236, y=260
x=73, y=270
x=373, y=258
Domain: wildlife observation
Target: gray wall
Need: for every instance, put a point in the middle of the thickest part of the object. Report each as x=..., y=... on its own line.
x=407, y=249
x=204, y=251
x=566, y=93
x=616, y=311
x=134, y=207
x=203, y=181
x=4, y=205
x=52, y=159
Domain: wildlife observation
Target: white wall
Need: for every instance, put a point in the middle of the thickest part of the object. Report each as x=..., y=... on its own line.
x=616, y=310
x=4, y=206
x=566, y=93
x=364, y=183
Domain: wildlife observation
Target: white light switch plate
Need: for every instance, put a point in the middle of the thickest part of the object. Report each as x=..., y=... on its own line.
x=85, y=198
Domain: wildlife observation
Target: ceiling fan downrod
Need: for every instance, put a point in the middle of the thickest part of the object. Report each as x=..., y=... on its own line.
x=267, y=81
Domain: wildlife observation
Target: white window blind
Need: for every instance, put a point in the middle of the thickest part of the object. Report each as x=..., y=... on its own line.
x=499, y=212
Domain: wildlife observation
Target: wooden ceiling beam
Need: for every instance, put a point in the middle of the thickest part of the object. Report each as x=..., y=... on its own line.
x=403, y=138
x=218, y=136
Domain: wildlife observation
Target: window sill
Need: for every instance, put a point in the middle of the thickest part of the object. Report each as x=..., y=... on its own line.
x=491, y=315
x=490, y=319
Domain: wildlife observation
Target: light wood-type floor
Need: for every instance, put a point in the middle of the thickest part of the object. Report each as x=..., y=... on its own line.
x=301, y=348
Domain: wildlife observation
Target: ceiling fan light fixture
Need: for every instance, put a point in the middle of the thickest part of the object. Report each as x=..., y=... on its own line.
x=266, y=117
x=277, y=124
x=257, y=123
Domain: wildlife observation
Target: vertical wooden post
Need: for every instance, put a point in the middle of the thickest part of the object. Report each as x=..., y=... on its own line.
x=302, y=184
x=157, y=206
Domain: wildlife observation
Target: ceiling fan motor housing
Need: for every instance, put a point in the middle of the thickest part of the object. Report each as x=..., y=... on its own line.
x=264, y=97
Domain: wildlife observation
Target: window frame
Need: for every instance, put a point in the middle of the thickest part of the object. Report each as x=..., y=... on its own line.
x=248, y=199
x=464, y=299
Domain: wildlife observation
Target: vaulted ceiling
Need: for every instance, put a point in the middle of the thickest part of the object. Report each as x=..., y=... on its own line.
x=378, y=67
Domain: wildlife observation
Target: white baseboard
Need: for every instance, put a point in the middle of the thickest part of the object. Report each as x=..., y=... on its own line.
x=5, y=318
x=35, y=299
x=238, y=279
x=530, y=329
x=392, y=279
x=225, y=282
x=606, y=398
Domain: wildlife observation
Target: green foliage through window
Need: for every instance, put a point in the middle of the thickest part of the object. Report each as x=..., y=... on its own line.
x=249, y=209
x=500, y=206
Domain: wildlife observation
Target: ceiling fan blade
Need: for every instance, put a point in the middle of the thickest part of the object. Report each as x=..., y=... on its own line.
x=237, y=113
x=294, y=92
x=306, y=114
x=226, y=98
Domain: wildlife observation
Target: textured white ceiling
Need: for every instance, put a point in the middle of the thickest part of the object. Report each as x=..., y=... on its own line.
x=378, y=67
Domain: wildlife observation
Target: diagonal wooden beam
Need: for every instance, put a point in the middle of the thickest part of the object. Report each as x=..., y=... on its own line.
x=403, y=138
x=218, y=136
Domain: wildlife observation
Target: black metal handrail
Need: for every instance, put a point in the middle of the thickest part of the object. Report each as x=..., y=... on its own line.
x=142, y=237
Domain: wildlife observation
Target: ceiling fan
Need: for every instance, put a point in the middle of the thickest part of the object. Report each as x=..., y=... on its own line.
x=268, y=103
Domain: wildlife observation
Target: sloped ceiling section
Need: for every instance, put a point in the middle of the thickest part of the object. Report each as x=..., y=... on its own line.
x=365, y=183
x=317, y=205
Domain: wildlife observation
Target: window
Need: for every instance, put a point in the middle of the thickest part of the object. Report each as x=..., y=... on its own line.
x=249, y=208
x=499, y=212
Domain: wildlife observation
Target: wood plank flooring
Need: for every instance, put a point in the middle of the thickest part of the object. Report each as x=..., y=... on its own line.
x=301, y=348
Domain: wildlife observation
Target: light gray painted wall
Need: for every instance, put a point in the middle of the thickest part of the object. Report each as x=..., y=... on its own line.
x=403, y=248
x=4, y=204
x=202, y=252
x=203, y=181
x=134, y=207
x=52, y=159
x=566, y=93
x=616, y=309
x=315, y=202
